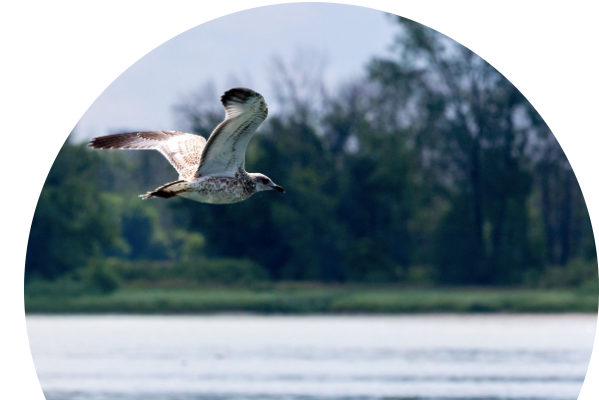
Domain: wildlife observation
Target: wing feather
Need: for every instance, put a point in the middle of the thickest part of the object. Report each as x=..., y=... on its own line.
x=182, y=150
x=224, y=153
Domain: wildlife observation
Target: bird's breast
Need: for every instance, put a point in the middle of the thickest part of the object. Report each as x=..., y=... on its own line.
x=220, y=190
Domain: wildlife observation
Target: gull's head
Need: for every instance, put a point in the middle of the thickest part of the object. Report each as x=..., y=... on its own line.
x=263, y=182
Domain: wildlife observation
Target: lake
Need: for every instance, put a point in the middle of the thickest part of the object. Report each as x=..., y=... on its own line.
x=235, y=357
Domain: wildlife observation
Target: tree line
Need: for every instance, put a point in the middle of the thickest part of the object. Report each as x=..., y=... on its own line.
x=431, y=167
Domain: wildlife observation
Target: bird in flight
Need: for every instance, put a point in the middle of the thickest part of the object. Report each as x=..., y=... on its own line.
x=210, y=171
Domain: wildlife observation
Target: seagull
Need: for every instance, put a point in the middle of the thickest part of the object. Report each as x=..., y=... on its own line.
x=210, y=171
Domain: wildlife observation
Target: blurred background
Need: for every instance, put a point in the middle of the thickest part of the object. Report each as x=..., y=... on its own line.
x=414, y=164
x=418, y=180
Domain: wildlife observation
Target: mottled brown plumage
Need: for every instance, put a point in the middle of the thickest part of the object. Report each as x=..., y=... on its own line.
x=210, y=171
x=182, y=150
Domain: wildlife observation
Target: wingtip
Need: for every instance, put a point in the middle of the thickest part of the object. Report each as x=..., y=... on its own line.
x=238, y=95
x=92, y=143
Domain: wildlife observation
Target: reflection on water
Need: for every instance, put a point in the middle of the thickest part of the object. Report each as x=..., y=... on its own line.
x=230, y=357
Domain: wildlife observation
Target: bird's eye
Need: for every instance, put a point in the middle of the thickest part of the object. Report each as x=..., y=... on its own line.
x=264, y=181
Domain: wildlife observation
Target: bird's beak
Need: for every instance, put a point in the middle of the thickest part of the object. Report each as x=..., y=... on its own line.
x=278, y=188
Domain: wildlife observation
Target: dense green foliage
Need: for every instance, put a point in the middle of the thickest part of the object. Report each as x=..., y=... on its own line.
x=431, y=169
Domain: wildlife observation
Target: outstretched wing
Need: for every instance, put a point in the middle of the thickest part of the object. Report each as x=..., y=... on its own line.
x=183, y=150
x=224, y=153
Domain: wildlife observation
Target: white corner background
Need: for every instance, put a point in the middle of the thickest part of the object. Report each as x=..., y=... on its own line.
x=57, y=57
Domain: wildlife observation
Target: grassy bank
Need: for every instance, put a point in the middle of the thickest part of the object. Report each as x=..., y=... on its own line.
x=317, y=299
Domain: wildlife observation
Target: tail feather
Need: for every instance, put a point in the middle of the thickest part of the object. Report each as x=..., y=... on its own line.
x=162, y=191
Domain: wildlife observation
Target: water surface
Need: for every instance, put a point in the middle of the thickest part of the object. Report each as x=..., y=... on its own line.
x=236, y=357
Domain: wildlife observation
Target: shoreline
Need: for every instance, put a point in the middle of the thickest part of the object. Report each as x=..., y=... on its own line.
x=337, y=300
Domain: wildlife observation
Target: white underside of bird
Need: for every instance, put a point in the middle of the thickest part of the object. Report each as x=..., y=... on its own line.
x=210, y=171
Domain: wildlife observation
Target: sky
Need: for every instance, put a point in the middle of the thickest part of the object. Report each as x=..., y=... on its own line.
x=237, y=50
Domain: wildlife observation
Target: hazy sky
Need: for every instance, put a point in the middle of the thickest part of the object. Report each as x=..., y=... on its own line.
x=237, y=50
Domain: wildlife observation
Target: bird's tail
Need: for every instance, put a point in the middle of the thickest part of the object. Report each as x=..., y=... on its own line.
x=166, y=191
